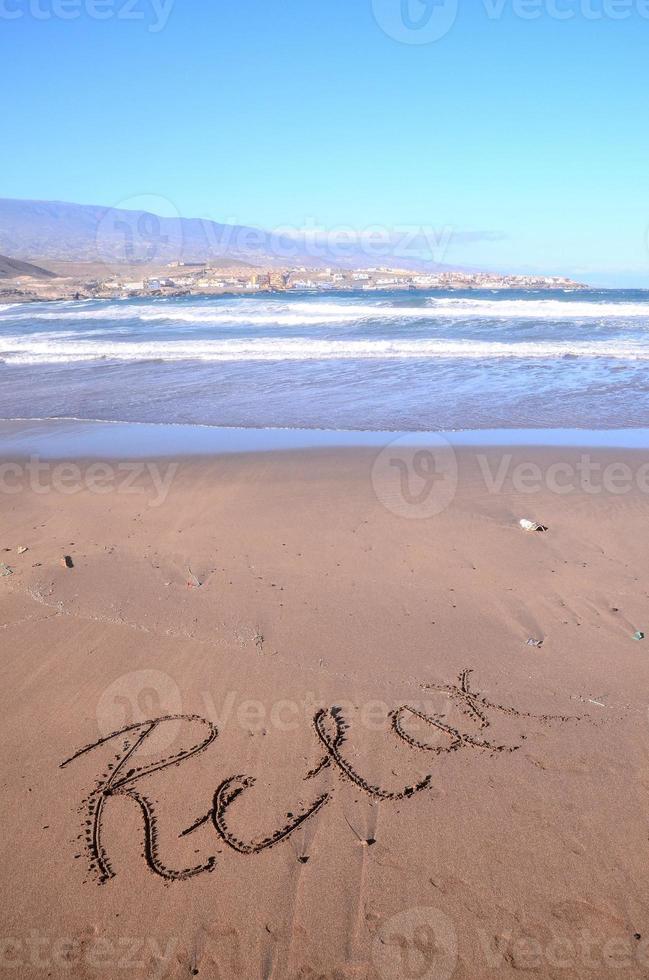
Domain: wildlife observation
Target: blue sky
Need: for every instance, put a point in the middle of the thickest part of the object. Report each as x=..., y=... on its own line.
x=522, y=129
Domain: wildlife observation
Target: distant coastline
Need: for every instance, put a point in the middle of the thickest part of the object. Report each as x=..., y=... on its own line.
x=187, y=279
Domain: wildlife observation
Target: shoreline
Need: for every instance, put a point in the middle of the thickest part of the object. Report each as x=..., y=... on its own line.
x=58, y=438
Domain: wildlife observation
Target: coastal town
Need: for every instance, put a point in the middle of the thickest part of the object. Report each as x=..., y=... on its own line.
x=328, y=279
x=200, y=279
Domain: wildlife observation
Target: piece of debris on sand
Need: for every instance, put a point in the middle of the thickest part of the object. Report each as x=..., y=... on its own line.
x=532, y=525
x=67, y=562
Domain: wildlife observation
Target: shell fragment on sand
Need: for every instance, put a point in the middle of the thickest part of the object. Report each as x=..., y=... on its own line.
x=638, y=636
x=5, y=570
x=534, y=643
x=531, y=525
x=22, y=549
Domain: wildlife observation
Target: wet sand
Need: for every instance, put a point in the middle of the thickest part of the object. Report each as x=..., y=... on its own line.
x=320, y=744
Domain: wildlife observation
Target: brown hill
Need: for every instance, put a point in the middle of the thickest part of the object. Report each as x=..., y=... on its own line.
x=12, y=268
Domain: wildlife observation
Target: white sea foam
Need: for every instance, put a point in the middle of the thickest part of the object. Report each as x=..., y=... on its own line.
x=39, y=350
x=538, y=309
x=289, y=312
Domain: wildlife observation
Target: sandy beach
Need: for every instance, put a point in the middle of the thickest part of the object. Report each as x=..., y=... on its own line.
x=318, y=741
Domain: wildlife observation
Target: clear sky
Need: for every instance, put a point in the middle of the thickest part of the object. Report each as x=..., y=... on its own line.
x=521, y=124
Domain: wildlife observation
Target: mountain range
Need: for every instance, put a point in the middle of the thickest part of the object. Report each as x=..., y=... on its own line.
x=60, y=232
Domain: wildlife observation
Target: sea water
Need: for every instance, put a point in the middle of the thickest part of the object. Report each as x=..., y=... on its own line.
x=391, y=361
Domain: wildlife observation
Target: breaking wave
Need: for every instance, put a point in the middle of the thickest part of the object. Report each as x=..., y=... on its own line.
x=288, y=312
x=42, y=349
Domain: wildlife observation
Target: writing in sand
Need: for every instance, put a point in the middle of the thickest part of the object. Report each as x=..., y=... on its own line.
x=126, y=775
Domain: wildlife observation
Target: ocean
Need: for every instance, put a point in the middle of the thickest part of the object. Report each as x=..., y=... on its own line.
x=389, y=361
